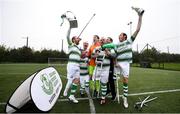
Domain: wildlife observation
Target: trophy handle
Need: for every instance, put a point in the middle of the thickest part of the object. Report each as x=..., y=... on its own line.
x=71, y=18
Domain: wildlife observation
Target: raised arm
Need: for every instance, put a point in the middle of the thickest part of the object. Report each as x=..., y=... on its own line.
x=140, y=14
x=72, y=24
x=68, y=36
x=109, y=45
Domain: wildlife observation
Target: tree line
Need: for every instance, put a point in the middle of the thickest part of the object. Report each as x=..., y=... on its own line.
x=154, y=56
x=28, y=55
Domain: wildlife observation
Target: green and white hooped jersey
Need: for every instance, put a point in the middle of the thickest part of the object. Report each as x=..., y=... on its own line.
x=84, y=66
x=104, y=59
x=74, y=54
x=124, y=50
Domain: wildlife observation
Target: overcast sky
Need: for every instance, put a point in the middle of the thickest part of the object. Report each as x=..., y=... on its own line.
x=40, y=21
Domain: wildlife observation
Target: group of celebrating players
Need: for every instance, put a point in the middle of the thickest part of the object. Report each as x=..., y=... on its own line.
x=95, y=66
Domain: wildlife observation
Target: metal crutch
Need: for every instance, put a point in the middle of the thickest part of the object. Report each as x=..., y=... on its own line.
x=139, y=105
x=117, y=86
x=96, y=68
x=101, y=70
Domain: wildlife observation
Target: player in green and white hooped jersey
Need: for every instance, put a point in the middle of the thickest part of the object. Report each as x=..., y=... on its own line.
x=84, y=74
x=96, y=81
x=124, y=55
x=73, y=66
x=102, y=69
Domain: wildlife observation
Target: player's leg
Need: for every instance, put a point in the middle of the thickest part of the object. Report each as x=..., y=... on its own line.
x=97, y=86
x=75, y=83
x=94, y=78
x=103, y=80
x=125, y=92
x=91, y=82
x=82, y=85
x=108, y=88
x=87, y=83
x=73, y=90
x=68, y=85
x=69, y=78
x=125, y=72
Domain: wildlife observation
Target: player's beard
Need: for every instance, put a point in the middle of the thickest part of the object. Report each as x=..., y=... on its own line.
x=77, y=43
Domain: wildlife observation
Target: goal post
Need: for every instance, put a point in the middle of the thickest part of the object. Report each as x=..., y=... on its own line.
x=57, y=61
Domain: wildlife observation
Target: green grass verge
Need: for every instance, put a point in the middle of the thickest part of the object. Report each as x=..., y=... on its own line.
x=141, y=80
x=167, y=66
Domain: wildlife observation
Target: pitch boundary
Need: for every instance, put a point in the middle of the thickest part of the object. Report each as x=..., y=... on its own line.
x=133, y=94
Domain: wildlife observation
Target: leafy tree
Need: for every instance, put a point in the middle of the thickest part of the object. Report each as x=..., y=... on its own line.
x=2, y=52
x=26, y=54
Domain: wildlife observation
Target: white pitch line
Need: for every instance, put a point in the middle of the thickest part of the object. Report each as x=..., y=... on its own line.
x=92, y=107
x=154, y=92
x=63, y=100
x=133, y=94
x=3, y=103
x=91, y=103
x=11, y=73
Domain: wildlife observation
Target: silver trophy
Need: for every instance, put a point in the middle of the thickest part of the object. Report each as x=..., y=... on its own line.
x=71, y=18
x=140, y=11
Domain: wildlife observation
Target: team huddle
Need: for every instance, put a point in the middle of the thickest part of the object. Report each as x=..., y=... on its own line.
x=95, y=67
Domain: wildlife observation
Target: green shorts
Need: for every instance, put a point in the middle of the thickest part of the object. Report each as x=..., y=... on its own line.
x=91, y=70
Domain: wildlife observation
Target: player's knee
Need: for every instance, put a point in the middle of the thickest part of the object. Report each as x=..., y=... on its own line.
x=125, y=80
x=76, y=81
x=104, y=80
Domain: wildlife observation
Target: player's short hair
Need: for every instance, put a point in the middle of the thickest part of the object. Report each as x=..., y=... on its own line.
x=85, y=42
x=110, y=39
x=97, y=36
x=73, y=38
x=125, y=35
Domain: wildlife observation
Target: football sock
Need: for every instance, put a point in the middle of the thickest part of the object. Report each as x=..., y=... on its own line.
x=73, y=88
x=103, y=89
x=125, y=89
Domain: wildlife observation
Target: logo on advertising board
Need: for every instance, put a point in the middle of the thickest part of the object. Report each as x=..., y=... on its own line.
x=45, y=88
x=47, y=84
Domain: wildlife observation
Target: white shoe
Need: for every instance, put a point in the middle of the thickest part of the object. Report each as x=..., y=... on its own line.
x=73, y=99
x=65, y=93
x=125, y=103
x=140, y=11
